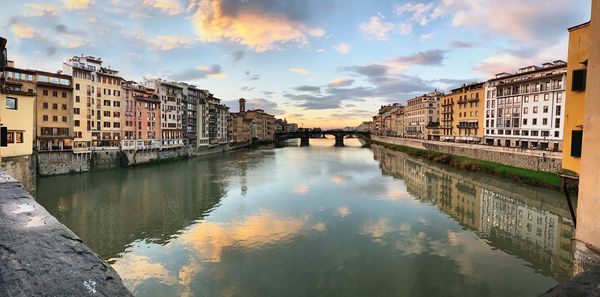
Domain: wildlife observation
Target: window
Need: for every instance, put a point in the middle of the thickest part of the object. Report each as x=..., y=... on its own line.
x=76, y=86
x=64, y=94
x=544, y=121
x=54, y=93
x=558, y=97
x=546, y=109
x=11, y=103
x=45, y=105
x=546, y=97
x=77, y=99
x=535, y=109
x=534, y=122
x=576, y=141
x=76, y=110
x=106, y=124
x=18, y=137
x=524, y=122
x=525, y=99
x=55, y=118
x=106, y=102
x=45, y=92
x=64, y=119
x=45, y=118
x=525, y=110
x=556, y=123
x=579, y=77
x=117, y=125
x=10, y=137
x=558, y=110
x=535, y=98
x=54, y=106
x=64, y=107
x=76, y=123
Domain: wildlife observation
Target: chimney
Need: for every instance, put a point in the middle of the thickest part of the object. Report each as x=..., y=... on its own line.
x=243, y=107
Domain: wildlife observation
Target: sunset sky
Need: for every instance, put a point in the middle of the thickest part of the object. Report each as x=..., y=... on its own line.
x=327, y=63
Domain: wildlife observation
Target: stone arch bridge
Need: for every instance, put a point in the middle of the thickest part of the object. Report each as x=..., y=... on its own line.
x=305, y=135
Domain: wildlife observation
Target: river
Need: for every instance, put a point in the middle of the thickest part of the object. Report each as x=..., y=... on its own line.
x=316, y=221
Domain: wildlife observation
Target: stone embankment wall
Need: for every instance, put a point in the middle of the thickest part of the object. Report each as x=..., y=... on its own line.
x=21, y=168
x=41, y=257
x=533, y=160
x=56, y=163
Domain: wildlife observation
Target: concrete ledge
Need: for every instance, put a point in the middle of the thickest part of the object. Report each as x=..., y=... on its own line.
x=41, y=257
x=583, y=285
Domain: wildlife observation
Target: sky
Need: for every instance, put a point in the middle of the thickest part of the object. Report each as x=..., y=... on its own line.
x=319, y=63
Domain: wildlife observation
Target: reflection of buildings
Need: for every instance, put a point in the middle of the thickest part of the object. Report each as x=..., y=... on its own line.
x=512, y=218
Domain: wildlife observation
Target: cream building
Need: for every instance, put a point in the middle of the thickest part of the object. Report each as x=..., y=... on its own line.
x=420, y=112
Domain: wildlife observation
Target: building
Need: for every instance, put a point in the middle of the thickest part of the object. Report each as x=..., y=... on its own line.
x=202, y=119
x=588, y=201
x=171, y=100
x=364, y=127
x=54, y=111
x=142, y=117
x=263, y=128
x=526, y=109
x=461, y=114
x=97, y=103
x=217, y=118
x=420, y=112
x=240, y=127
x=579, y=46
x=17, y=110
x=191, y=96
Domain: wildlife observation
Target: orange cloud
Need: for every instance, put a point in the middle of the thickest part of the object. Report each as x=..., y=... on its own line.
x=170, y=7
x=77, y=4
x=299, y=70
x=40, y=9
x=23, y=31
x=254, y=28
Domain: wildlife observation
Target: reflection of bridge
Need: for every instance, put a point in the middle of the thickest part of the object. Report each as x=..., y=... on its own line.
x=306, y=134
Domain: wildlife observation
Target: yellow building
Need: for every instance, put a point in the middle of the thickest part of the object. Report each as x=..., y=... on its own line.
x=17, y=109
x=579, y=45
x=97, y=108
x=54, y=111
x=461, y=114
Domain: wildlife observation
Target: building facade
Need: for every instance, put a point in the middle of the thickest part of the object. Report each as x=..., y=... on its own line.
x=263, y=125
x=217, y=119
x=461, y=114
x=97, y=103
x=420, y=112
x=191, y=96
x=17, y=110
x=579, y=45
x=171, y=98
x=54, y=111
x=526, y=109
x=142, y=117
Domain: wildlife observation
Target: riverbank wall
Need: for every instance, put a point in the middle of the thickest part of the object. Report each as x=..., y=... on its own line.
x=41, y=257
x=529, y=159
x=56, y=163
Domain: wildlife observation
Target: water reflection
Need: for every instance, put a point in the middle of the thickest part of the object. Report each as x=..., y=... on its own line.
x=531, y=223
x=316, y=221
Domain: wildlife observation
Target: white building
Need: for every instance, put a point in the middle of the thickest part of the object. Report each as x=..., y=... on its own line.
x=526, y=109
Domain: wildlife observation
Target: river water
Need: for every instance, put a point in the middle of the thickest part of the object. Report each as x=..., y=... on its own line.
x=316, y=221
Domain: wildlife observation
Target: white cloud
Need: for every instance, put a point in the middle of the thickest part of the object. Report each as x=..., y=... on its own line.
x=167, y=42
x=342, y=48
x=376, y=28
x=405, y=28
x=317, y=32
